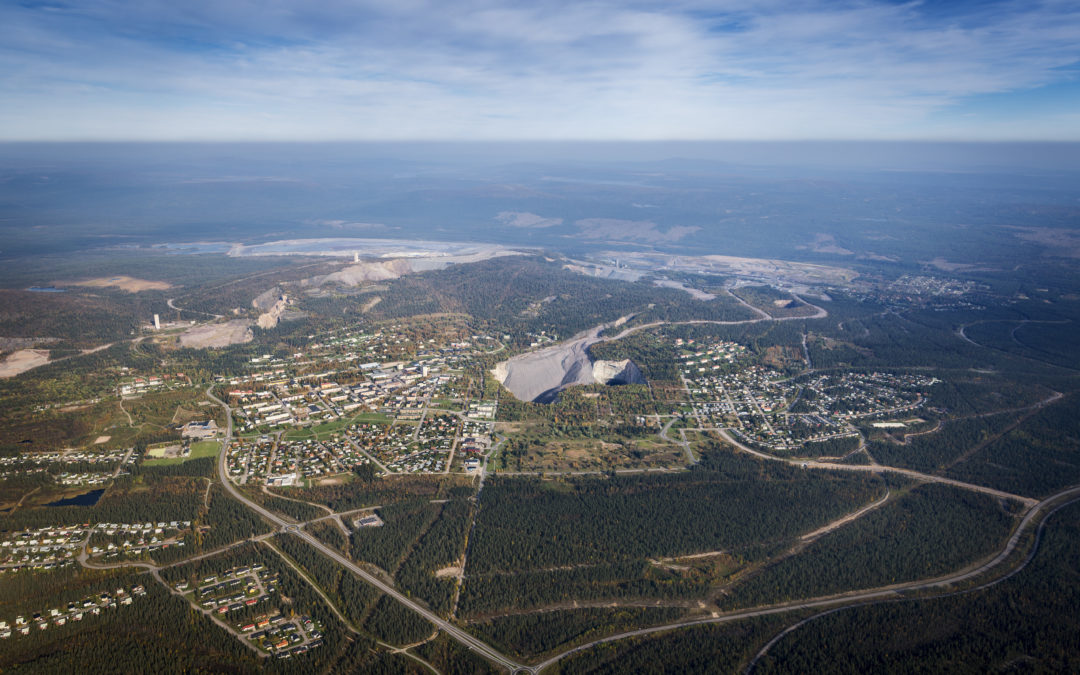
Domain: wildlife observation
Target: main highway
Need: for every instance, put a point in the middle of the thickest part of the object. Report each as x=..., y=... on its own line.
x=453, y=631
x=877, y=468
x=868, y=596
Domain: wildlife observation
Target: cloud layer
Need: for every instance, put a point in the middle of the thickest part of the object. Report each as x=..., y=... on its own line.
x=477, y=69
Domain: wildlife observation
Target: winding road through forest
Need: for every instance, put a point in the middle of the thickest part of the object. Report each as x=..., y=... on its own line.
x=1034, y=513
x=1034, y=510
x=297, y=530
x=867, y=597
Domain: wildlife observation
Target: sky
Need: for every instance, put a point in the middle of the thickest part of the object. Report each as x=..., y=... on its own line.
x=277, y=70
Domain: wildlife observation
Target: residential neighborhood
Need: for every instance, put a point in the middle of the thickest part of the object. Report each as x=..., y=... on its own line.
x=766, y=408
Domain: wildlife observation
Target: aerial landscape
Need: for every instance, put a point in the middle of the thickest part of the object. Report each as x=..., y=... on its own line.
x=583, y=338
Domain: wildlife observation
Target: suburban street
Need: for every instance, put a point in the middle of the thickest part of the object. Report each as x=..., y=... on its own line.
x=878, y=468
x=458, y=634
x=1034, y=509
x=946, y=584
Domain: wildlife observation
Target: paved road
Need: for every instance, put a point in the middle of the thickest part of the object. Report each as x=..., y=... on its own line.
x=993, y=582
x=481, y=648
x=684, y=443
x=873, y=595
x=84, y=556
x=878, y=468
x=819, y=313
x=537, y=374
x=169, y=302
x=865, y=597
x=961, y=333
x=365, y=453
x=488, y=652
x=484, y=469
x=450, y=629
x=315, y=587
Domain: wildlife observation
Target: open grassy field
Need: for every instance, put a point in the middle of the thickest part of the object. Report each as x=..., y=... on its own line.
x=200, y=449
x=593, y=454
x=321, y=431
x=160, y=411
x=371, y=417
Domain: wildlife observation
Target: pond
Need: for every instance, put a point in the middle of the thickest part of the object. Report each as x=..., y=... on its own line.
x=85, y=499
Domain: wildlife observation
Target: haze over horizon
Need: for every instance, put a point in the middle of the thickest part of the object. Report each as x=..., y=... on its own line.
x=284, y=71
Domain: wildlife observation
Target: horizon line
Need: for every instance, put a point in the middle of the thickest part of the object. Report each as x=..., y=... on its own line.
x=600, y=141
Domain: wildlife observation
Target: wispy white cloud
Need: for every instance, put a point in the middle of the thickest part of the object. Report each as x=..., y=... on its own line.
x=335, y=69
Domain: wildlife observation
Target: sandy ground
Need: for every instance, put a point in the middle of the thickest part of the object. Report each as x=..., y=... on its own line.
x=270, y=319
x=448, y=572
x=267, y=299
x=791, y=272
x=22, y=361
x=366, y=247
x=129, y=284
x=233, y=332
x=538, y=376
x=605, y=271
x=102, y=439
x=383, y=270
x=354, y=275
x=171, y=451
x=697, y=293
x=545, y=371
x=531, y=375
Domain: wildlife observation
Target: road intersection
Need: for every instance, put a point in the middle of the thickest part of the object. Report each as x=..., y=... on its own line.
x=1035, y=514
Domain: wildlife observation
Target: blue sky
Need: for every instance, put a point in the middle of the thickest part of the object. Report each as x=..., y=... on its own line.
x=476, y=69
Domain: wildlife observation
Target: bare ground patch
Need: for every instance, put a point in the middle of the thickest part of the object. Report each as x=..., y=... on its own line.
x=600, y=455
x=22, y=361
x=125, y=283
x=237, y=331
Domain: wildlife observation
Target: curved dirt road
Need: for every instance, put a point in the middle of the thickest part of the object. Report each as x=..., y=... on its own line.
x=860, y=598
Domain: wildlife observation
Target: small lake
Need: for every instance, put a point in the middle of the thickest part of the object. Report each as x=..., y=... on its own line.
x=85, y=499
x=47, y=289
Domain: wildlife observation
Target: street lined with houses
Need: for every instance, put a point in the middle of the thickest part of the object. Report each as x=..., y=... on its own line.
x=303, y=424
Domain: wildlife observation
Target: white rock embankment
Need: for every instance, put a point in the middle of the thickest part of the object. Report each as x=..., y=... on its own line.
x=540, y=375
x=617, y=372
